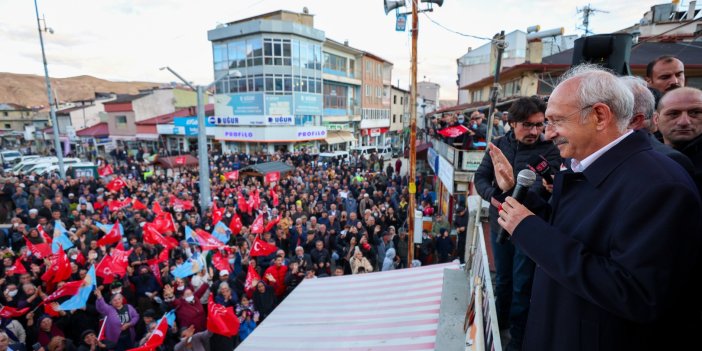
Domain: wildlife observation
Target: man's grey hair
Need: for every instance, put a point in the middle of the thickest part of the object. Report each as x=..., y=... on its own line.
x=598, y=84
x=644, y=102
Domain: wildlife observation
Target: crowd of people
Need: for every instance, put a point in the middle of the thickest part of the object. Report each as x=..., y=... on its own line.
x=321, y=220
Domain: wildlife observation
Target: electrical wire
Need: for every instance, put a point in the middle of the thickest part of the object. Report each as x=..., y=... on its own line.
x=451, y=30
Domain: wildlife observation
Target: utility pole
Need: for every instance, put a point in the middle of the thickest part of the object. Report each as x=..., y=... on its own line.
x=52, y=108
x=500, y=44
x=413, y=136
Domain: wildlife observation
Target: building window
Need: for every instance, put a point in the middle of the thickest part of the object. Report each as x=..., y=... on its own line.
x=378, y=91
x=335, y=96
x=5, y=113
x=394, y=100
x=335, y=63
x=121, y=121
x=368, y=90
x=352, y=68
x=394, y=118
x=369, y=68
x=7, y=126
x=477, y=95
x=277, y=52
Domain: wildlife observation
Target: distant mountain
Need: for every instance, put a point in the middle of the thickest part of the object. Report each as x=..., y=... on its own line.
x=30, y=90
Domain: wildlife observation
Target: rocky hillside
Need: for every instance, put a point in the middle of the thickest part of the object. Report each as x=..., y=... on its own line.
x=30, y=90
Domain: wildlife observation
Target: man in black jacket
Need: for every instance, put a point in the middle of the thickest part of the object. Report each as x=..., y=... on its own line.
x=514, y=270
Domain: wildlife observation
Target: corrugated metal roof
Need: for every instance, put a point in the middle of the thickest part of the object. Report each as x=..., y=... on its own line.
x=100, y=129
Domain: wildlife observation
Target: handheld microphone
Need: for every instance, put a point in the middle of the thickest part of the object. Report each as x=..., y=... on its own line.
x=525, y=179
x=539, y=164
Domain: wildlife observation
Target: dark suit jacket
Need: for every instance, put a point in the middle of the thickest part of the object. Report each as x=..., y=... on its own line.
x=617, y=266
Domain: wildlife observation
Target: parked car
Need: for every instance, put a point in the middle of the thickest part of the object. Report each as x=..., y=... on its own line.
x=326, y=157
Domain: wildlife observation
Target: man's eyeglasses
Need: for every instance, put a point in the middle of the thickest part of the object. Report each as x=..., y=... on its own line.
x=557, y=122
x=529, y=125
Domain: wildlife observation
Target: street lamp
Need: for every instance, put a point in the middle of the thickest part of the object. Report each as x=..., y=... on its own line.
x=52, y=109
x=203, y=159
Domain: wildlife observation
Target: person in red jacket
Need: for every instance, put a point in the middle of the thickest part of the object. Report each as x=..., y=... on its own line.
x=275, y=276
x=189, y=310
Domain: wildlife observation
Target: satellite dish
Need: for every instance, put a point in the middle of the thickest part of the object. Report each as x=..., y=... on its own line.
x=305, y=10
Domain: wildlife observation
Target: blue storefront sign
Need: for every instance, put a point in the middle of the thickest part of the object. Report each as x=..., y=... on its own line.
x=189, y=125
x=308, y=104
x=246, y=104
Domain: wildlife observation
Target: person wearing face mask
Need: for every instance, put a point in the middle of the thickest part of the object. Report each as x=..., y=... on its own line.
x=120, y=320
x=189, y=310
x=146, y=287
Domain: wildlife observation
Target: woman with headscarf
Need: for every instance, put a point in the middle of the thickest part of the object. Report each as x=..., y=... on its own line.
x=359, y=261
x=264, y=299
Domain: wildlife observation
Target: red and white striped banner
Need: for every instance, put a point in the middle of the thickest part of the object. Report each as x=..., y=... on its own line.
x=389, y=311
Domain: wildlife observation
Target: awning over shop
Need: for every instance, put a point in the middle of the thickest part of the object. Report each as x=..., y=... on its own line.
x=268, y=167
x=393, y=310
x=338, y=137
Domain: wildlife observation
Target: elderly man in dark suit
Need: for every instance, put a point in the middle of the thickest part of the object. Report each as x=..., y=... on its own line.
x=618, y=258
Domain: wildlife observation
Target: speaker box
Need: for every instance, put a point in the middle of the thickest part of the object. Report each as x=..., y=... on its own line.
x=608, y=50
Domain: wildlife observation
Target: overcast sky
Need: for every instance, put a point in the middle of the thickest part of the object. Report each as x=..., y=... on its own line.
x=129, y=40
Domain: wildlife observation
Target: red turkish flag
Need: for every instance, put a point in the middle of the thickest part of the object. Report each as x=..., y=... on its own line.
x=10, y=312
x=207, y=241
x=252, y=278
x=256, y=200
x=271, y=224
x=220, y=262
x=242, y=204
x=221, y=320
x=257, y=226
x=156, y=338
x=115, y=185
x=107, y=268
x=17, y=268
x=272, y=177
x=112, y=237
x=152, y=236
x=164, y=223
x=162, y=257
x=59, y=269
x=235, y=225
x=453, y=132
x=180, y=160
x=70, y=288
x=262, y=248
x=233, y=175
x=217, y=213
x=138, y=205
x=39, y=251
x=48, y=309
x=156, y=207
x=105, y=171
x=47, y=237
x=274, y=196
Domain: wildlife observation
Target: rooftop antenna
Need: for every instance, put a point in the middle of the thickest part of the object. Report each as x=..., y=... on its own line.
x=587, y=11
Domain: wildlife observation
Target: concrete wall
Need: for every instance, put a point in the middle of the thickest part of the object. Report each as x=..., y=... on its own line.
x=160, y=102
x=128, y=130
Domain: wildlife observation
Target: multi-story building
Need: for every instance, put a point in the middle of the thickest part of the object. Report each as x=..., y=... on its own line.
x=375, y=101
x=400, y=114
x=272, y=95
x=14, y=117
x=480, y=62
x=342, y=91
x=125, y=111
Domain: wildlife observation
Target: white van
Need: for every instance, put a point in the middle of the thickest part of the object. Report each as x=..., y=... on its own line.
x=325, y=157
x=382, y=151
x=8, y=157
x=41, y=168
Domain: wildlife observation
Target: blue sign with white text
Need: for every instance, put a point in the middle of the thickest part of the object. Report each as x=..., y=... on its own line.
x=246, y=103
x=189, y=124
x=308, y=104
